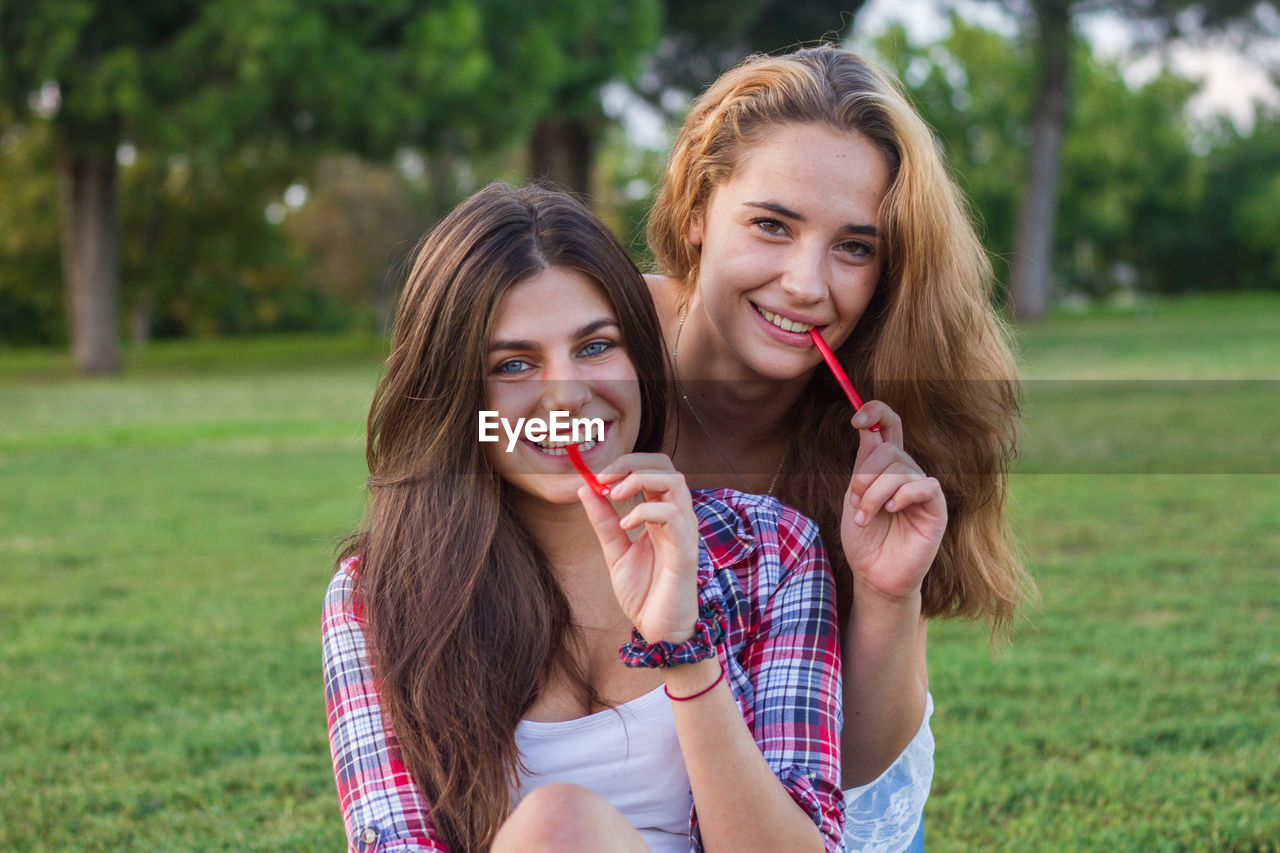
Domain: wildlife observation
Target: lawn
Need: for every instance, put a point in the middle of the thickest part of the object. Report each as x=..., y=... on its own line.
x=169, y=535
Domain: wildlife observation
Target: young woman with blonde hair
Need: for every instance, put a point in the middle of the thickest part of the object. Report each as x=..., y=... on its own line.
x=473, y=630
x=803, y=191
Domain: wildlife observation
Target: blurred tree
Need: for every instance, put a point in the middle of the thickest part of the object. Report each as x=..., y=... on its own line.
x=30, y=312
x=198, y=255
x=1130, y=182
x=358, y=227
x=592, y=43
x=203, y=79
x=971, y=87
x=1051, y=23
x=1242, y=199
x=701, y=40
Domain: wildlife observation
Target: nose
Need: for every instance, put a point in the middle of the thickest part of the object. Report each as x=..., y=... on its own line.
x=804, y=278
x=564, y=386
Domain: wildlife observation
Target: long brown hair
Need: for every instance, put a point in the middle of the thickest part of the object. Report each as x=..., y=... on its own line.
x=928, y=344
x=465, y=619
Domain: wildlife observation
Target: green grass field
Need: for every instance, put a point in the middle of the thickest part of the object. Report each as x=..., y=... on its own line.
x=168, y=536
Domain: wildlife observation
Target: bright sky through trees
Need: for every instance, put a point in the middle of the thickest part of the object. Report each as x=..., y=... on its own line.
x=1232, y=82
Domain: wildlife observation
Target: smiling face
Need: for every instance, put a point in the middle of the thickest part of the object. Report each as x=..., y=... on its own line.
x=789, y=242
x=556, y=345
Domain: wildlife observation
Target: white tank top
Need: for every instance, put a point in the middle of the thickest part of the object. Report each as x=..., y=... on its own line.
x=629, y=755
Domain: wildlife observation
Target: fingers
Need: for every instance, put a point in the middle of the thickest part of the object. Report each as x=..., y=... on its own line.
x=878, y=412
x=629, y=462
x=604, y=520
x=878, y=458
x=653, y=512
x=926, y=491
x=667, y=504
x=650, y=475
x=896, y=486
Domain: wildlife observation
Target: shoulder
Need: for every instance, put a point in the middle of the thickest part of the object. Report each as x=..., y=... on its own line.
x=341, y=599
x=728, y=512
x=666, y=292
x=757, y=537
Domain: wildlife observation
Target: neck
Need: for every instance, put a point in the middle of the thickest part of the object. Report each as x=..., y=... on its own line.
x=567, y=540
x=728, y=413
x=744, y=402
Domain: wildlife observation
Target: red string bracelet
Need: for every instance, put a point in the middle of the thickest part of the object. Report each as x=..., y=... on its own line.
x=719, y=678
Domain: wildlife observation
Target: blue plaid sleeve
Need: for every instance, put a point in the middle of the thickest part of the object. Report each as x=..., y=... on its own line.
x=382, y=808
x=785, y=648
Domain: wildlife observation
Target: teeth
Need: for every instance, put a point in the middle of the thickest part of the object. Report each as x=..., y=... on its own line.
x=783, y=323
x=560, y=448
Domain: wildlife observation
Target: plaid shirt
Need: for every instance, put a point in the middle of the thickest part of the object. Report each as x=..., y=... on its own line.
x=759, y=559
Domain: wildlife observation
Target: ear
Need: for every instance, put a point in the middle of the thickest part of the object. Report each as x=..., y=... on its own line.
x=694, y=232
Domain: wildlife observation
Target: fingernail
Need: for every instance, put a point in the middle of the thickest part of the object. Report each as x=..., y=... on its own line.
x=889, y=504
x=859, y=420
x=860, y=519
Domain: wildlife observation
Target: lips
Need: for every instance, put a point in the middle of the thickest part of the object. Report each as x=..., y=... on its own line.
x=561, y=448
x=784, y=323
x=548, y=447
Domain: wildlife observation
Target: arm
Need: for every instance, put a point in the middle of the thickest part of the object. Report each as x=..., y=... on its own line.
x=734, y=771
x=885, y=683
x=382, y=809
x=792, y=662
x=892, y=523
x=886, y=814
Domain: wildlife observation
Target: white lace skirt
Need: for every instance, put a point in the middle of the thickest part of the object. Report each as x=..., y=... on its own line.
x=883, y=816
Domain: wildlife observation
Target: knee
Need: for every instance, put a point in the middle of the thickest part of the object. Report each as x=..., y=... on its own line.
x=557, y=817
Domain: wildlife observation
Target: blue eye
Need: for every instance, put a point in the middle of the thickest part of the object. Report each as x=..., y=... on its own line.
x=597, y=348
x=513, y=366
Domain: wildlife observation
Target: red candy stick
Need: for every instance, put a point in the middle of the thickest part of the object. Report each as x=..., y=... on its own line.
x=830, y=358
x=596, y=486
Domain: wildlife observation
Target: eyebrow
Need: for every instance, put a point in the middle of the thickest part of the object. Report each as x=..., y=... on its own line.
x=589, y=329
x=783, y=210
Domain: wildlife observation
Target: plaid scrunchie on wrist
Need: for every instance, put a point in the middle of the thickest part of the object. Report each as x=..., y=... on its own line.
x=708, y=632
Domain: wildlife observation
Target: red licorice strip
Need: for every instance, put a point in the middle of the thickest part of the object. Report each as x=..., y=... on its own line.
x=830, y=358
x=596, y=486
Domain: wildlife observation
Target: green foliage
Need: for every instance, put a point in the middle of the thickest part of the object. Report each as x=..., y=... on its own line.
x=972, y=89
x=595, y=43
x=1138, y=207
x=228, y=102
x=1241, y=200
x=700, y=40
x=200, y=259
x=365, y=76
x=31, y=295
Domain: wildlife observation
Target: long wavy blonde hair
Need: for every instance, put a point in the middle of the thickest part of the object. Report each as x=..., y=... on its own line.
x=928, y=344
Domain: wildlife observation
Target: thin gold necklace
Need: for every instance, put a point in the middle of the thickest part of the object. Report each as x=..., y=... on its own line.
x=684, y=395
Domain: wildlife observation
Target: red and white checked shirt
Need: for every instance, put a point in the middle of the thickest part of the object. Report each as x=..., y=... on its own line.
x=765, y=565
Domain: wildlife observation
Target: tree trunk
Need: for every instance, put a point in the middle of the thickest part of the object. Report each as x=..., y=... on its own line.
x=1032, y=271
x=90, y=257
x=562, y=150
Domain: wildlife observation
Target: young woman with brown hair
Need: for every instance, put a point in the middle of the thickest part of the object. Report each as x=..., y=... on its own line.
x=473, y=630
x=803, y=191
